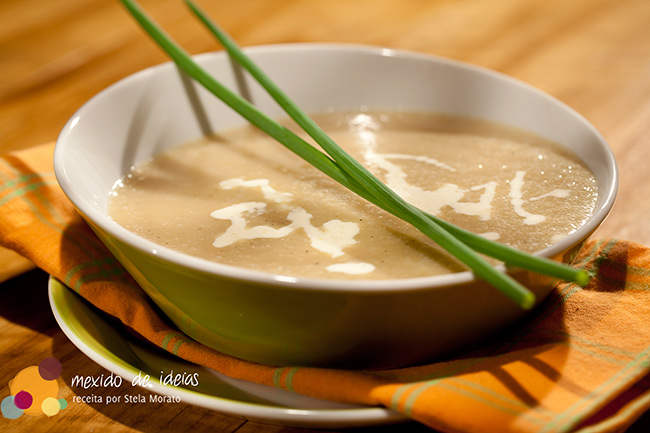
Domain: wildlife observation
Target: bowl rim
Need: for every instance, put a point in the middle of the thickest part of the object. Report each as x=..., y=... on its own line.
x=105, y=223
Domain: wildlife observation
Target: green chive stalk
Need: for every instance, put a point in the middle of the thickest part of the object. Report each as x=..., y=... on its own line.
x=499, y=251
x=351, y=174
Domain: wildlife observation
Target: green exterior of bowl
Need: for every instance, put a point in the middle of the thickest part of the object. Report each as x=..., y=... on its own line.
x=277, y=320
x=280, y=325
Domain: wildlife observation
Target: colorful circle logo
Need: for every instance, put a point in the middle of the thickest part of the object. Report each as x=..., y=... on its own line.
x=34, y=391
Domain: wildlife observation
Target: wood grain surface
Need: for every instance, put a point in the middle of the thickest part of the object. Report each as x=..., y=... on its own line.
x=55, y=54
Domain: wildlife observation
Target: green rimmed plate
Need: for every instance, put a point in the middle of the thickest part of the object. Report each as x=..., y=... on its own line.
x=111, y=346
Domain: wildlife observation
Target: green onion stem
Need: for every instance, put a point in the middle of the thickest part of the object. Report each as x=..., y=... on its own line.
x=348, y=172
x=509, y=255
x=496, y=250
x=521, y=295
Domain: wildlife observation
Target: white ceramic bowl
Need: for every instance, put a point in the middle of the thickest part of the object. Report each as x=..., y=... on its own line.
x=278, y=320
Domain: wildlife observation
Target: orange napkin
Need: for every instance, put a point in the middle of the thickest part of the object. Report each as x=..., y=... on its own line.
x=579, y=363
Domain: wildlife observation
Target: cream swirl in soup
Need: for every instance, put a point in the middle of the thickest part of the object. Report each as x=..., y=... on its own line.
x=242, y=199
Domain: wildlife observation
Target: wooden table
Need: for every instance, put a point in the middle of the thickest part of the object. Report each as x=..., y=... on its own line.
x=54, y=55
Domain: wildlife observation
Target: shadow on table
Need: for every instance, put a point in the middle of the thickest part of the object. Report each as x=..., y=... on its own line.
x=24, y=301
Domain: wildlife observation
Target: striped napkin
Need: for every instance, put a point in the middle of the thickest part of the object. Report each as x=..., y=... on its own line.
x=580, y=363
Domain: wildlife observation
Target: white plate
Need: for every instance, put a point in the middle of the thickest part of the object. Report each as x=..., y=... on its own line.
x=108, y=344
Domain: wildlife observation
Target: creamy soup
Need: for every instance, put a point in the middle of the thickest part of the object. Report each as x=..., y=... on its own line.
x=242, y=199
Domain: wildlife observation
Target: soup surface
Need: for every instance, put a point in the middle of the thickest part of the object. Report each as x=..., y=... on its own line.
x=242, y=199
